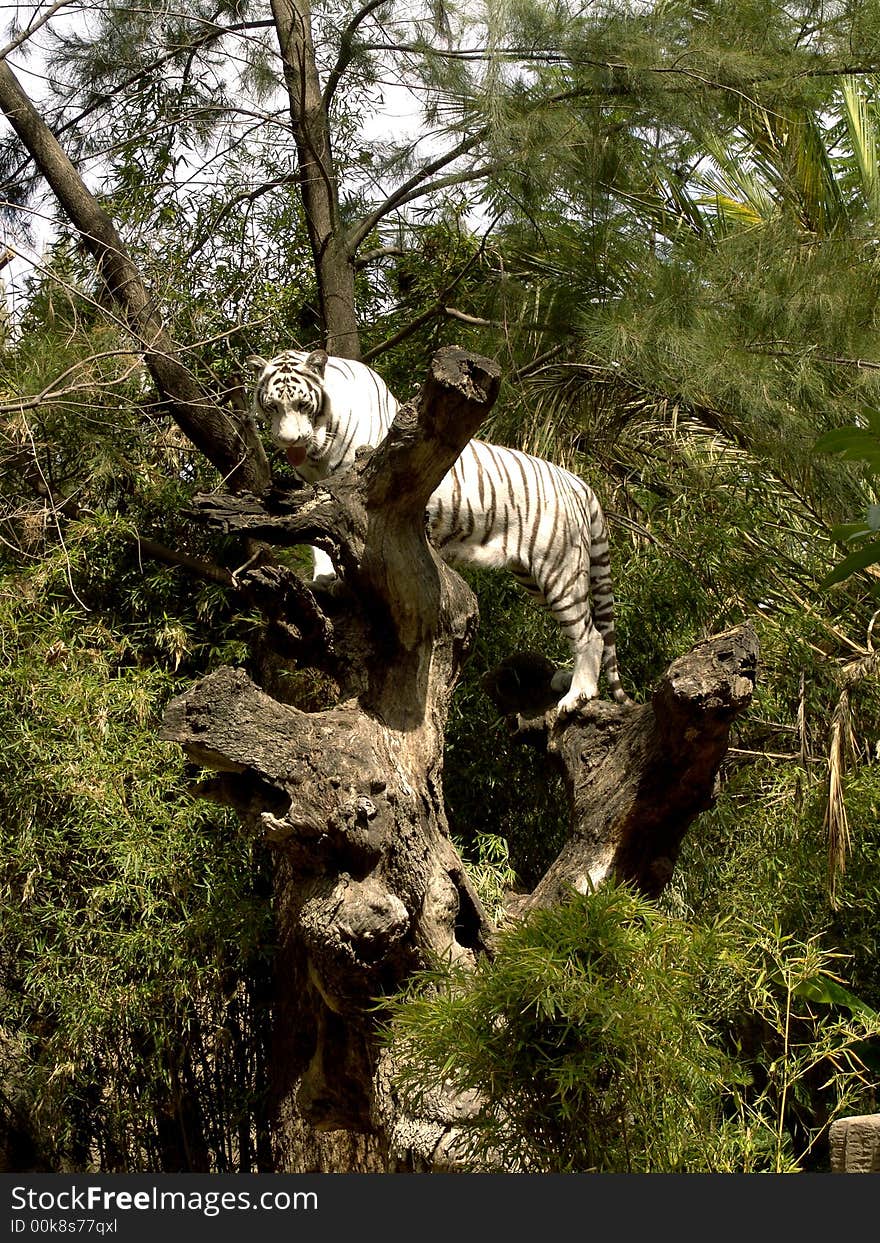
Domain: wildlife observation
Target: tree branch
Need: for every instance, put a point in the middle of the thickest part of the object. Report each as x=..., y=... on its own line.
x=366, y=226
x=433, y=312
x=235, y=449
x=208, y=571
x=635, y=776
x=535, y=365
x=443, y=183
x=230, y=205
x=35, y=25
x=381, y=252
x=452, y=312
x=835, y=360
x=346, y=51
x=107, y=96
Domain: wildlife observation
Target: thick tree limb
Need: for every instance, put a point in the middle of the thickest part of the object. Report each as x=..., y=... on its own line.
x=381, y=252
x=636, y=777
x=328, y=515
x=318, y=182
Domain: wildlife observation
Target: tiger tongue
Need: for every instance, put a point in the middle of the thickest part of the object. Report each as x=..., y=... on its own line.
x=296, y=454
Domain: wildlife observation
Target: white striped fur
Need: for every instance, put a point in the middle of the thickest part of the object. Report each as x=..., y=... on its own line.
x=496, y=507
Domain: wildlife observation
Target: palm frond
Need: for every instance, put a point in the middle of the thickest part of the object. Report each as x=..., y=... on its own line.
x=861, y=129
x=740, y=192
x=822, y=201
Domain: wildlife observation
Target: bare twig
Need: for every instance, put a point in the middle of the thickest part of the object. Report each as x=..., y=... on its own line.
x=366, y=226
x=346, y=50
x=35, y=24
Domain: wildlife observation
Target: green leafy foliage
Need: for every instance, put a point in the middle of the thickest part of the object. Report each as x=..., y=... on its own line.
x=488, y=795
x=135, y=926
x=857, y=444
x=490, y=871
x=668, y=238
x=135, y=930
x=607, y=1036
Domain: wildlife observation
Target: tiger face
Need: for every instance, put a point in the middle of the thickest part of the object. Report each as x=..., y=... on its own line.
x=289, y=396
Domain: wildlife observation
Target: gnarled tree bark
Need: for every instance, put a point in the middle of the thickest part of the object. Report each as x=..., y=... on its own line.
x=368, y=887
x=636, y=777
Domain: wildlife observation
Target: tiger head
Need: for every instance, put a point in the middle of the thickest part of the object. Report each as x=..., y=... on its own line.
x=289, y=395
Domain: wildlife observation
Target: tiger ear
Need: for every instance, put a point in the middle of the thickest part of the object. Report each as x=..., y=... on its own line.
x=317, y=361
x=256, y=363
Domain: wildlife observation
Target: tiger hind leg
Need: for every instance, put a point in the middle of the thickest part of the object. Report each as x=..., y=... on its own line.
x=609, y=668
x=323, y=570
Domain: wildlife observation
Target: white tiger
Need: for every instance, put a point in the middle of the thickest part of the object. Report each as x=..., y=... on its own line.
x=321, y=410
x=496, y=507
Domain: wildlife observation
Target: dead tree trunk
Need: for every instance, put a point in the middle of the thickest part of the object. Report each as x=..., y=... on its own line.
x=368, y=885
x=636, y=777
x=368, y=888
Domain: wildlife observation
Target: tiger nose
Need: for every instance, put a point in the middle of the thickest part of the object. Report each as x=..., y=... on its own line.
x=292, y=430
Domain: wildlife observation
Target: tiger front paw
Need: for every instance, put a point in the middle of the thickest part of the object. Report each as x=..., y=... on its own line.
x=575, y=698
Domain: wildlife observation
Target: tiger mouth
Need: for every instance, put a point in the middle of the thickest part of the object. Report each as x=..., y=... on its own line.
x=296, y=454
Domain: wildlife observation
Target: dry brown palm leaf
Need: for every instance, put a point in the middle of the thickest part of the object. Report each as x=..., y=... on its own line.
x=836, y=825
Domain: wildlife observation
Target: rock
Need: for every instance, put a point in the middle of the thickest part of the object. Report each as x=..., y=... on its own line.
x=855, y=1145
